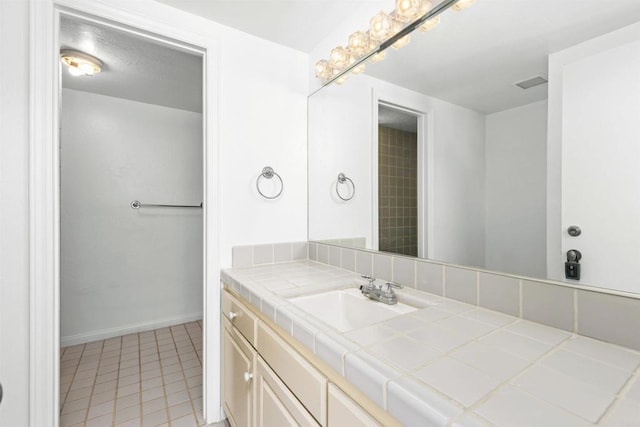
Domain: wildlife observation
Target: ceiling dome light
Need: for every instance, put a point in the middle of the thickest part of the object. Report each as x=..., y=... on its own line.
x=430, y=24
x=358, y=43
x=339, y=57
x=79, y=63
x=380, y=26
x=462, y=4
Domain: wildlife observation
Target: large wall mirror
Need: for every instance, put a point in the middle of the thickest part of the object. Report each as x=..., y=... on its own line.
x=506, y=138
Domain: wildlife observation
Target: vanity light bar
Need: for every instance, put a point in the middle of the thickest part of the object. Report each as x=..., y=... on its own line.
x=383, y=33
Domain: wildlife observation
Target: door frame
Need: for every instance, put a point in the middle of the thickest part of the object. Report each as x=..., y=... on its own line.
x=153, y=20
x=425, y=165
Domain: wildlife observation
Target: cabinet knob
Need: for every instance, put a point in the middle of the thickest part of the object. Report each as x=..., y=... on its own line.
x=248, y=376
x=232, y=315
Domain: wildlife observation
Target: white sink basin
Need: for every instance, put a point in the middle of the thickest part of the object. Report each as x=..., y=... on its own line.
x=348, y=309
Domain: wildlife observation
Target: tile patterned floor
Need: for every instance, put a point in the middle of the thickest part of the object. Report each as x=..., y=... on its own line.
x=152, y=378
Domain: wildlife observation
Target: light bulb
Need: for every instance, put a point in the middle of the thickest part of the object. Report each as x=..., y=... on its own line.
x=378, y=57
x=87, y=69
x=380, y=26
x=430, y=24
x=74, y=70
x=339, y=57
x=404, y=40
x=358, y=43
x=359, y=69
x=323, y=69
x=462, y=4
x=401, y=42
x=341, y=80
x=407, y=10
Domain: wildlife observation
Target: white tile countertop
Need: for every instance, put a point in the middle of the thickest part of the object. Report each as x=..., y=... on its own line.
x=451, y=363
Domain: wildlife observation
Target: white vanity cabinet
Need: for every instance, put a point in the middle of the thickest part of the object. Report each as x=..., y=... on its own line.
x=267, y=382
x=238, y=367
x=343, y=411
x=275, y=403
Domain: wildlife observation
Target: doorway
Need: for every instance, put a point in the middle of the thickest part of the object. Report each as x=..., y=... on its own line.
x=398, y=181
x=131, y=228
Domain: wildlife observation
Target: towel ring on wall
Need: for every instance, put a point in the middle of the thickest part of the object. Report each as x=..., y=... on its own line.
x=269, y=173
x=342, y=179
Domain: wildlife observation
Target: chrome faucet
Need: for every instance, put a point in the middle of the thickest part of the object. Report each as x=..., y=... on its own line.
x=387, y=296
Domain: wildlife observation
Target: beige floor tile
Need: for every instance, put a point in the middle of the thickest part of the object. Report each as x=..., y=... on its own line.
x=101, y=409
x=129, y=400
x=154, y=405
x=73, y=418
x=151, y=394
x=131, y=423
x=75, y=405
x=165, y=364
x=180, y=410
x=186, y=421
x=155, y=418
x=126, y=414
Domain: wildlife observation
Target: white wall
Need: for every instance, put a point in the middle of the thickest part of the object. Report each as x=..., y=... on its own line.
x=263, y=123
x=516, y=156
x=14, y=212
x=340, y=141
x=341, y=135
x=259, y=83
x=593, y=157
x=122, y=269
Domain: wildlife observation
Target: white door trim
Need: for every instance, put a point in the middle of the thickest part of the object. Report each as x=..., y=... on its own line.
x=148, y=17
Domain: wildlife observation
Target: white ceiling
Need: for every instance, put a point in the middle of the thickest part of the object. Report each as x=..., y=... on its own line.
x=472, y=59
x=299, y=24
x=134, y=68
x=475, y=56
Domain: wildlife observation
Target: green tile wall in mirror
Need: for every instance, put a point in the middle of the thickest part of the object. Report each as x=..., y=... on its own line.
x=485, y=139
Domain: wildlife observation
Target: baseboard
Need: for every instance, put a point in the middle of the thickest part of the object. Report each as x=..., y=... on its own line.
x=127, y=329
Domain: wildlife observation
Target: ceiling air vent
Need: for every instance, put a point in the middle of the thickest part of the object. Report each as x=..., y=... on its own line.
x=532, y=82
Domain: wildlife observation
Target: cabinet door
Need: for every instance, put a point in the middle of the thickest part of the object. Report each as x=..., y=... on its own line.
x=343, y=411
x=237, y=362
x=275, y=404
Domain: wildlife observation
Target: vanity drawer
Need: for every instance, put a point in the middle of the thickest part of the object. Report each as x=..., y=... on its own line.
x=305, y=381
x=239, y=316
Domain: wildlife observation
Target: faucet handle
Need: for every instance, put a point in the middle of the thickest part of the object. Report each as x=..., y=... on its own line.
x=369, y=278
x=393, y=285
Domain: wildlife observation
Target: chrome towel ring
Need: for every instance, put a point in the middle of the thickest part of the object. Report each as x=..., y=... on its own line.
x=269, y=173
x=342, y=179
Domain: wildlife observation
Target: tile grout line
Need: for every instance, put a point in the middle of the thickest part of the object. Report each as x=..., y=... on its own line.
x=95, y=378
x=164, y=391
x=75, y=371
x=184, y=378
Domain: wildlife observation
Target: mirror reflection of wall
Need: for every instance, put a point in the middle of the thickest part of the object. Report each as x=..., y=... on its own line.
x=509, y=164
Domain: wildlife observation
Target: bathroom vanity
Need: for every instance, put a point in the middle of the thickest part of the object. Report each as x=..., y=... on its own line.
x=443, y=362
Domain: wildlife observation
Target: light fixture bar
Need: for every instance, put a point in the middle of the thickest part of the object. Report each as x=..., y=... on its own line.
x=435, y=11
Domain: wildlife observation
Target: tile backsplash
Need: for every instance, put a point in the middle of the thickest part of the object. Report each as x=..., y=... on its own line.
x=605, y=316
x=250, y=255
